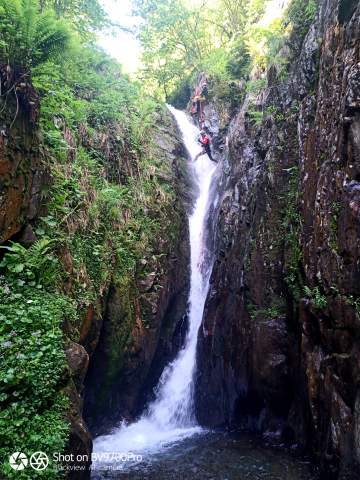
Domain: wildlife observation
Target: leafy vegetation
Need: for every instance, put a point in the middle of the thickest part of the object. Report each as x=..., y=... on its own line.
x=36, y=266
x=255, y=115
x=354, y=302
x=275, y=310
x=110, y=215
x=318, y=299
x=274, y=112
x=30, y=37
x=291, y=226
x=33, y=368
x=111, y=208
x=228, y=40
x=300, y=14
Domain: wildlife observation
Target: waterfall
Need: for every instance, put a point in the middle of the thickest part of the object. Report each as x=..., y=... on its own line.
x=170, y=417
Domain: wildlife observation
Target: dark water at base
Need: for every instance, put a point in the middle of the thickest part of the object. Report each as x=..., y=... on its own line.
x=217, y=456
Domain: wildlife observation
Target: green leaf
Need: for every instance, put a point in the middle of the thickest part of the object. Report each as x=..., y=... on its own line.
x=18, y=268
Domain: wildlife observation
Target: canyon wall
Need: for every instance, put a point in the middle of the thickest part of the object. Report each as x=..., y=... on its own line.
x=279, y=348
x=22, y=170
x=129, y=287
x=142, y=327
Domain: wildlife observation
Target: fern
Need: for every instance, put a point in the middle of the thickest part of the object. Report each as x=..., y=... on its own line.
x=36, y=265
x=29, y=36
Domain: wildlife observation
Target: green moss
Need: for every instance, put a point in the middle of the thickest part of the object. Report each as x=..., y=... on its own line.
x=119, y=323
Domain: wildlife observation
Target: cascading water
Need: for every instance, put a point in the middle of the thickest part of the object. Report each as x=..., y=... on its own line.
x=170, y=417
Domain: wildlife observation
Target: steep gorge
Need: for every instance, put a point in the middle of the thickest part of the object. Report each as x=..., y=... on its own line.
x=126, y=364
x=278, y=351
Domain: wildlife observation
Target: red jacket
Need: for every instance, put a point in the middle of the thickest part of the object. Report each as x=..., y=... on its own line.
x=204, y=139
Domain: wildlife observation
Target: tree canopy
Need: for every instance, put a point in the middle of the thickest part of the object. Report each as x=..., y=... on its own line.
x=225, y=38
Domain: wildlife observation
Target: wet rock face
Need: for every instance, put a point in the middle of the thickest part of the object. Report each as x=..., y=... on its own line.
x=22, y=175
x=80, y=441
x=140, y=325
x=279, y=349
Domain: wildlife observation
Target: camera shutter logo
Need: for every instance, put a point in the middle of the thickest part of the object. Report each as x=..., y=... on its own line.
x=18, y=461
x=39, y=461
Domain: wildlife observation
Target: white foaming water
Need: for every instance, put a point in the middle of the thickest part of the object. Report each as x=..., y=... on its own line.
x=170, y=417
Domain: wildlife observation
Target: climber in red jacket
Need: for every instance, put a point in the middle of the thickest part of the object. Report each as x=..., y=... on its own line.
x=204, y=141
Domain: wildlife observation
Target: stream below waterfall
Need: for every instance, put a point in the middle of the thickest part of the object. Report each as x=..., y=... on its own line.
x=166, y=442
x=213, y=456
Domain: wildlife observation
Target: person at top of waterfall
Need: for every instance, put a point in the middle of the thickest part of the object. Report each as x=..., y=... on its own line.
x=204, y=92
x=204, y=141
x=195, y=110
x=200, y=95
